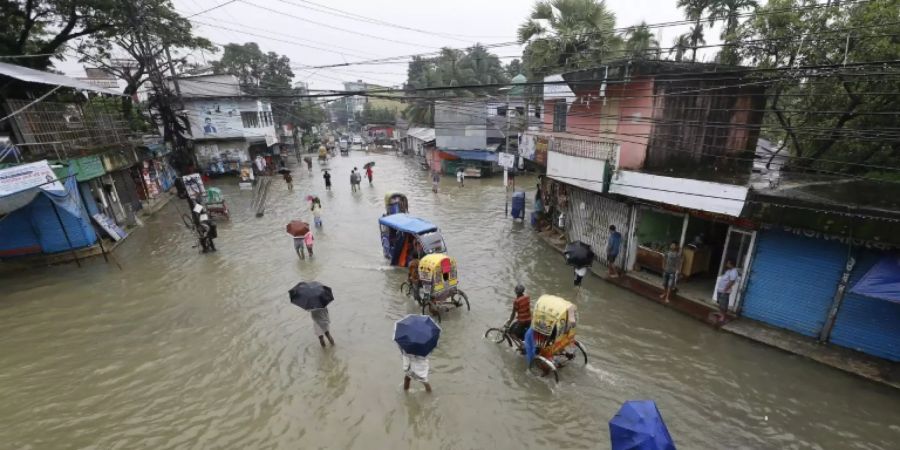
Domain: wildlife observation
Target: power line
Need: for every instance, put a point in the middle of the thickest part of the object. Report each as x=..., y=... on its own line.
x=212, y=8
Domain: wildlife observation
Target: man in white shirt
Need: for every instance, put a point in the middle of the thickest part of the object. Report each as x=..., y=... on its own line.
x=724, y=287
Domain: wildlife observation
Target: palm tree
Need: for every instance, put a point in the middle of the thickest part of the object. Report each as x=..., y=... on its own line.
x=694, y=10
x=681, y=45
x=728, y=11
x=640, y=42
x=567, y=34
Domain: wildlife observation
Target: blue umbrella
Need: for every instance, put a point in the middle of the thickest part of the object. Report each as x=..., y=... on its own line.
x=639, y=426
x=416, y=335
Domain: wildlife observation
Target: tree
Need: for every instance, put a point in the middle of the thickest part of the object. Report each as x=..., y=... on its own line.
x=640, y=42
x=471, y=67
x=695, y=10
x=829, y=116
x=567, y=34
x=729, y=11
x=681, y=45
x=260, y=74
x=47, y=27
x=147, y=28
x=514, y=68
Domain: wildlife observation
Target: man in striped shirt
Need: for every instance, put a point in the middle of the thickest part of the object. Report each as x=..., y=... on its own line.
x=520, y=319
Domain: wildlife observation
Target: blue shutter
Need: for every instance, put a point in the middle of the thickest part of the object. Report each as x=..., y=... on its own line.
x=51, y=234
x=867, y=324
x=793, y=281
x=88, y=199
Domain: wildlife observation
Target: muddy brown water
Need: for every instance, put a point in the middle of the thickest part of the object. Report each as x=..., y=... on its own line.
x=183, y=350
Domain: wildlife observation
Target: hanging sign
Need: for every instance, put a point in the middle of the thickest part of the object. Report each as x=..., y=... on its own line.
x=506, y=160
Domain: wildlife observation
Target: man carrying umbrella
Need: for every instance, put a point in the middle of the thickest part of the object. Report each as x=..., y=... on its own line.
x=581, y=256
x=416, y=336
x=315, y=297
x=298, y=230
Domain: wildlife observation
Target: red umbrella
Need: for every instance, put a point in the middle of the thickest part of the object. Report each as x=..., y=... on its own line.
x=297, y=228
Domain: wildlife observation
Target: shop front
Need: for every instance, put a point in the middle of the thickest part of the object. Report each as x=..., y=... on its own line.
x=706, y=243
x=118, y=186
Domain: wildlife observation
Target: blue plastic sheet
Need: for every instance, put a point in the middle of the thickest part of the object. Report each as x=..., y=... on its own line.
x=882, y=281
x=639, y=426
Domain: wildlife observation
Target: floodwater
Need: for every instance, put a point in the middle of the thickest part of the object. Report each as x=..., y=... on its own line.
x=185, y=350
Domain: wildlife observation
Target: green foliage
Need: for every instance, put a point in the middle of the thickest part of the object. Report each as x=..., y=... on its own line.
x=641, y=43
x=474, y=66
x=562, y=35
x=374, y=114
x=838, y=115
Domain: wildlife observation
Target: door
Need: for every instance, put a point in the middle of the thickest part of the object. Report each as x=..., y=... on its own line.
x=738, y=245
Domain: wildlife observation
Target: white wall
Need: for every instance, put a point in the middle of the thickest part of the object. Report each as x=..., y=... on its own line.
x=701, y=195
x=586, y=173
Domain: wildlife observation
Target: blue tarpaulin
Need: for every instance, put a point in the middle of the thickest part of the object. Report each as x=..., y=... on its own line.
x=407, y=223
x=639, y=426
x=882, y=281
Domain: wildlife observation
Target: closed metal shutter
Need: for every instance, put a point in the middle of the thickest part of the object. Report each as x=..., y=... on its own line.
x=865, y=324
x=589, y=217
x=793, y=281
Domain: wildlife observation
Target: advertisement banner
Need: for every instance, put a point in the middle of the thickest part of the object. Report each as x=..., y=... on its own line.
x=218, y=118
x=88, y=168
x=20, y=184
x=541, y=147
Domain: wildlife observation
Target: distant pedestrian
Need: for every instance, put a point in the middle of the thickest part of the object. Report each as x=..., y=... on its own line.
x=415, y=368
x=299, y=246
x=353, y=176
x=327, y=177
x=321, y=325
x=316, y=209
x=308, y=161
x=308, y=241
x=435, y=180
x=369, y=174
x=671, y=268
x=461, y=177
x=612, y=251
x=724, y=287
x=289, y=180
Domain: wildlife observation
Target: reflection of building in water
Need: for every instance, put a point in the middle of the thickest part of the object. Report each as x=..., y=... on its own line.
x=228, y=127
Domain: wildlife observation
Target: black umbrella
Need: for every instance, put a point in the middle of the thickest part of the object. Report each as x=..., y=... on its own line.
x=579, y=254
x=311, y=295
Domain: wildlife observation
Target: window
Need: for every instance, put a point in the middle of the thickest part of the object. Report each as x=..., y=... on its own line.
x=250, y=119
x=559, y=115
x=537, y=112
x=501, y=111
x=520, y=111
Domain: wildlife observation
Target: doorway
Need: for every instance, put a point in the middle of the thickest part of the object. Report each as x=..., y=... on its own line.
x=738, y=247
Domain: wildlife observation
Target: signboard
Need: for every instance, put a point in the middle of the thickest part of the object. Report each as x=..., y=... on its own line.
x=88, y=168
x=109, y=227
x=506, y=160
x=541, y=147
x=25, y=177
x=193, y=183
x=219, y=118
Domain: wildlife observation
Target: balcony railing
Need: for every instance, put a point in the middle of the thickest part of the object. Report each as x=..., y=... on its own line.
x=67, y=130
x=580, y=146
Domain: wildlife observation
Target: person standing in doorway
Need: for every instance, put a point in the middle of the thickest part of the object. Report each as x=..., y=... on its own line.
x=612, y=251
x=435, y=180
x=724, y=287
x=327, y=177
x=671, y=268
x=461, y=177
x=321, y=325
x=369, y=174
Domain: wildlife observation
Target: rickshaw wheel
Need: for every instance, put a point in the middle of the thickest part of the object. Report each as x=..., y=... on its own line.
x=465, y=299
x=405, y=288
x=583, y=352
x=542, y=367
x=428, y=310
x=496, y=335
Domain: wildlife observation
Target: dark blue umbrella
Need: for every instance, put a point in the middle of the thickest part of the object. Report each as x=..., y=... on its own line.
x=578, y=254
x=416, y=335
x=311, y=295
x=639, y=426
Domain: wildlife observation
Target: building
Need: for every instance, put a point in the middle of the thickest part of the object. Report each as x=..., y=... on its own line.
x=469, y=133
x=68, y=164
x=669, y=152
x=228, y=127
x=663, y=150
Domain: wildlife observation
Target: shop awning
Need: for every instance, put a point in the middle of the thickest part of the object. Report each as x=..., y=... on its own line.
x=19, y=185
x=423, y=134
x=473, y=155
x=882, y=281
x=37, y=76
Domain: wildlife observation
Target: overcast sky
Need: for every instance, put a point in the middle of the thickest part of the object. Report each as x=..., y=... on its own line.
x=456, y=23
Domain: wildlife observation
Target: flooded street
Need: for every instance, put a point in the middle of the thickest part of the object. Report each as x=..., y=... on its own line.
x=185, y=350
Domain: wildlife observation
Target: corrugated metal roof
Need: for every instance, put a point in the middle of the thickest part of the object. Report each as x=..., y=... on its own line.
x=41, y=77
x=425, y=134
